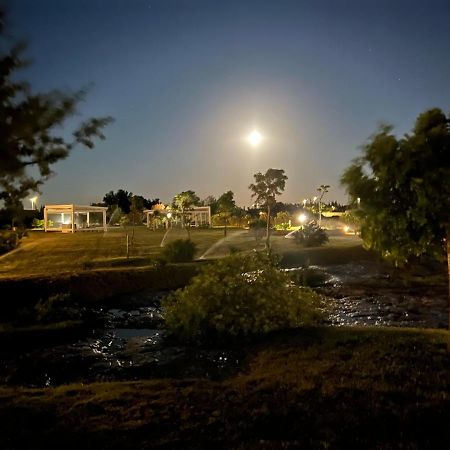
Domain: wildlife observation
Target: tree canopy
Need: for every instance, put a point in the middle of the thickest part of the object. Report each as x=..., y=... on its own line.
x=225, y=206
x=265, y=189
x=33, y=127
x=323, y=189
x=124, y=200
x=183, y=202
x=400, y=188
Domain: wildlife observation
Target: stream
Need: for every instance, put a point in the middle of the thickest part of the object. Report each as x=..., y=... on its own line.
x=127, y=339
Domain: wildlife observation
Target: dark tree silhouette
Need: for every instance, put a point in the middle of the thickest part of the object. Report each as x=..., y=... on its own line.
x=33, y=127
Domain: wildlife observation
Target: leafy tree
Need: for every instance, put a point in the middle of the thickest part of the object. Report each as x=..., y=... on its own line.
x=225, y=207
x=149, y=203
x=282, y=220
x=136, y=209
x=123, y=199
x=120, y=199
x=323, y=189
x=404, y=189
x=211, y=201
x=265, y=189
x=184, y=201
x=33, y=128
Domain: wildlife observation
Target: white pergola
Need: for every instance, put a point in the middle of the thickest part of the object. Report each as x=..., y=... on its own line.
x=71, y=218
x=198, y=215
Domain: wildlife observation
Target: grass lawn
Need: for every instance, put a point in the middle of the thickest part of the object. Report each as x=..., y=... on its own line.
x=313, y=388
x=51, y=253
x=340, y=249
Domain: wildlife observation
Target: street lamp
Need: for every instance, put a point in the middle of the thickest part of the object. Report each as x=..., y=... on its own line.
x=302, y=218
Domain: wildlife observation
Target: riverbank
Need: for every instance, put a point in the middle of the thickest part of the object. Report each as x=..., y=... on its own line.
x=314, y=388
x=91, y=286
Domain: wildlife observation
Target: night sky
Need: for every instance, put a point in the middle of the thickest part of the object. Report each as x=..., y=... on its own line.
x=187, y=80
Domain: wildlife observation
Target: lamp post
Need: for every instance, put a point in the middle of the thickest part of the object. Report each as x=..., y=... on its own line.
x=302, y=219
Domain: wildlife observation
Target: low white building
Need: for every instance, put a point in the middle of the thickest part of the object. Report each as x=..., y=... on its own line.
x=196, y=216
x=71, y=218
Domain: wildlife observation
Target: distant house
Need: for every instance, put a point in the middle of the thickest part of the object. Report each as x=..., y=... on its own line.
x=70, y=218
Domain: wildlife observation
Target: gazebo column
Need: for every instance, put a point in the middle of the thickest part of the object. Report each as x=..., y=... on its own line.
x=72, y=216
x=104, y=220
x=45, y=219
x=87, y=219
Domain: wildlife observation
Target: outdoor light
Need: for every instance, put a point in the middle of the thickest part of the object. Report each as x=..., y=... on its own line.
x=302, y=218
x=314, y=199
x=33, y=202
x=169, y=215
x=254, y=138
x=346, y=229
x=304, y=202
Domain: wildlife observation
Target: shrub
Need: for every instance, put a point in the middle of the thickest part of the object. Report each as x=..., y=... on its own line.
x=238, y=296
x=9, y=240
x=38, y=223
x=311, y=235
x=181, y=250
x=49, y=309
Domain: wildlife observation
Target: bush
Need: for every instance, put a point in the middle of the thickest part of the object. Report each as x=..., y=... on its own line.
x=238, y=296
x=39, y=223
x=50, y=309
x=9, y=240
x=311, y=235
x=181, y=250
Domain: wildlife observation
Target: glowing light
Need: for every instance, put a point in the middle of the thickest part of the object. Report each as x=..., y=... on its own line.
x=314, y=199
x=33, y=202
x=255, y=138
x=346, y=229
x=169, y=215
x=304, y=202
x=302, y=218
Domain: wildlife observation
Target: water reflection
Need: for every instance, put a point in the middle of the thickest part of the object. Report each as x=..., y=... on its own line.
x=131, y=343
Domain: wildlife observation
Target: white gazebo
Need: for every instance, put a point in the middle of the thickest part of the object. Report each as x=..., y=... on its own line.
x=71, y=218
x=196, y=216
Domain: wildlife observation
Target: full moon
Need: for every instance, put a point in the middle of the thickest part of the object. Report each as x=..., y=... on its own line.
x=254, y=138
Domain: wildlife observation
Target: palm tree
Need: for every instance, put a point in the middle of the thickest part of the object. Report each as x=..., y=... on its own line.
x=323, y=189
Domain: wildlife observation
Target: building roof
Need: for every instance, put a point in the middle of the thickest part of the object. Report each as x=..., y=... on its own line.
x=76, y=208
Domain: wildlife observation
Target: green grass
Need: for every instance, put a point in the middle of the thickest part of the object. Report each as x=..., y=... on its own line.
x=53, y=253
x=312, y=388
x=50, y=253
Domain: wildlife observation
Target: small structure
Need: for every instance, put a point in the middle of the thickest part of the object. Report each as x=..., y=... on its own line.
x=196, y=216
x=71, y=218
x=199, y=216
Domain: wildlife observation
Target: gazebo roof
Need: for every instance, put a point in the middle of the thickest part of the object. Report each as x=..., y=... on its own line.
x=76, y=208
